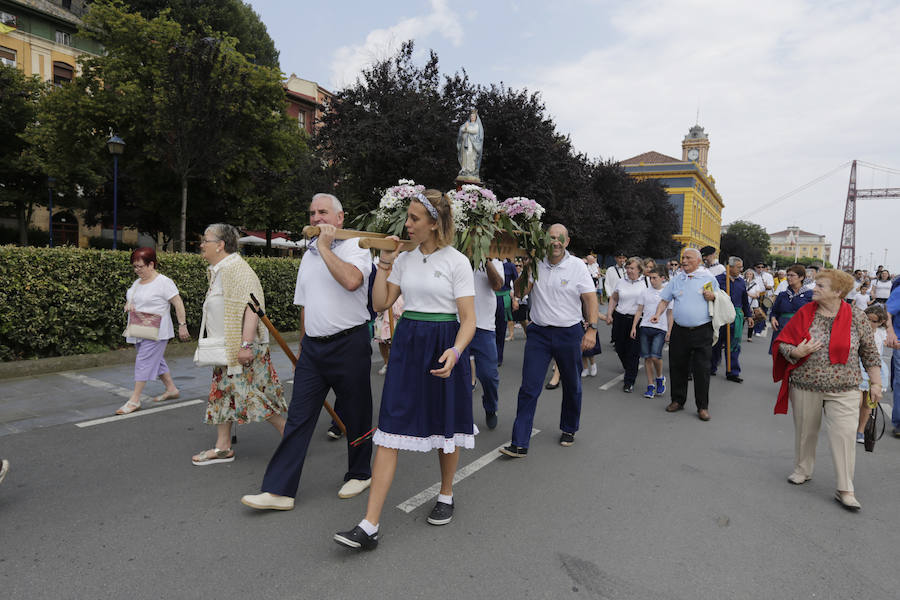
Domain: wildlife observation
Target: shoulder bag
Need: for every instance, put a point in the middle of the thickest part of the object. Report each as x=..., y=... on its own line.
x=210, y=350
x=143, y=325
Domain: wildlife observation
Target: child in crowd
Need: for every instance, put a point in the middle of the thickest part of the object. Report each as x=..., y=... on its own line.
x=653, y=335
x=878, y=320
x=863, y=299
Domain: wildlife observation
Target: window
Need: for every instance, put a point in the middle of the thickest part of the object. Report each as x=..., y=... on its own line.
x=67, y=4
x=7, y=19
x=301, y=119
x=7, y=57
x=62, y=73
x=64, y=38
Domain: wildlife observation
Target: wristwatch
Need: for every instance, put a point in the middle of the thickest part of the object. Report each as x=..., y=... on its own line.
x=591, y=325
x=245, y=345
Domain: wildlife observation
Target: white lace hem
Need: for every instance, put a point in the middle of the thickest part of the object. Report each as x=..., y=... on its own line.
x=424, y=444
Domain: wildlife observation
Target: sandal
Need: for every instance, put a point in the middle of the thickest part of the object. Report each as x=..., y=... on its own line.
x=168, y=396
x=219, y=456
x=128, y=408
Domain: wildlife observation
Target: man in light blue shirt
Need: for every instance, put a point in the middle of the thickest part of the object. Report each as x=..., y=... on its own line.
x=690, y=345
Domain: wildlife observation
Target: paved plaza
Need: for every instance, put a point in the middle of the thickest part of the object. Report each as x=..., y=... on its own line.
x=646, y=505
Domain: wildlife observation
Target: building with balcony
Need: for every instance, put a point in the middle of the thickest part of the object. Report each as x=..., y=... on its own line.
x=797, y=243
x=692, y=190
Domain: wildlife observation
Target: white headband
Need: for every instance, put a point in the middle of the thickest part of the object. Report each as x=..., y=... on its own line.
x=428, y=206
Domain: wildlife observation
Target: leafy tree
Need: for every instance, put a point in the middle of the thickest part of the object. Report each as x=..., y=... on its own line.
x=784, y=261
x=229, y=17
x=747, y=240
x=20, y=183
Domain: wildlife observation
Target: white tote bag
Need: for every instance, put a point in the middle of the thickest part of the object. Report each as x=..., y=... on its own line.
x=210, y=350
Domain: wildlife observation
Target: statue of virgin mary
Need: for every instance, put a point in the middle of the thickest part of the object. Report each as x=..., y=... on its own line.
x=469, y=143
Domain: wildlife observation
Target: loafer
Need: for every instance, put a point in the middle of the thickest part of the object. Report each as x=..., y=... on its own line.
x=514, y=451
x=357, y=539
x=674, y=407
x=552, y=386
x=441, y=514
x=490, y=419
x=566, y=439
x=354, y=487
x=798, y=478
x=703, y=414
x=334, y=432
x=847, y=500
x=734, y=378
x=267, y=501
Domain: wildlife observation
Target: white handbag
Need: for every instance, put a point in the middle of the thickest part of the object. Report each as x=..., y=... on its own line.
x=210, y=351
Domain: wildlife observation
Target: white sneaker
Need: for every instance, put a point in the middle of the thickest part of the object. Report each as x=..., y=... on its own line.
x=382, y=370
x=267, y=501
x=584, y=373
x=354, y=487
x=594, y=370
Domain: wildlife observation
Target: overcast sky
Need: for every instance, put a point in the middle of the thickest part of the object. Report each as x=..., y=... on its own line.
x=788, y=90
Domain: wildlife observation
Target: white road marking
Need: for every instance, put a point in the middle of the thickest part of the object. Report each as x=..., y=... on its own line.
x=103, y=385
x=425, y=495
x=616, y=380
x=140, y=413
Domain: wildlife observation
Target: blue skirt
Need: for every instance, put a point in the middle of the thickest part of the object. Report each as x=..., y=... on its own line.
x=420, y=411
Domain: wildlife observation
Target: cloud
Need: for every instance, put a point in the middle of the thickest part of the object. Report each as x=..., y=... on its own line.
x=380, y=44
x=787, y=90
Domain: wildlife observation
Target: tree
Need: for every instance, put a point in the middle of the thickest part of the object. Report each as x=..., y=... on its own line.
x=189, y=105
x=783, y=261
x=747, y=240
x=20, y=183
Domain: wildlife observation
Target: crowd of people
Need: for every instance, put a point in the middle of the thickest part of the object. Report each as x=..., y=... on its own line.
x=441, y=328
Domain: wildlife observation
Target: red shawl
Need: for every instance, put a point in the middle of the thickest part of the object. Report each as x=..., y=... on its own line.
x=795, y=332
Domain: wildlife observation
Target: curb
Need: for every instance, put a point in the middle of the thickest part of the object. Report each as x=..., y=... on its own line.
x=122, y=356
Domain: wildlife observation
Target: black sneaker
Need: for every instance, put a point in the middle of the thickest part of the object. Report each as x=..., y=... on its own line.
x=566, y=439
x=357, y=539
x=334, y=432
x=441, y=514
x=490, y=419
x=627, y=388
x=514, y=451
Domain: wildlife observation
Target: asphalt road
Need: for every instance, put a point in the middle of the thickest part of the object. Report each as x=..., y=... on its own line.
x=646, y=505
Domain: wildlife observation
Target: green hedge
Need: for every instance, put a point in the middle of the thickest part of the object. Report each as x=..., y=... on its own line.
x=61, y=301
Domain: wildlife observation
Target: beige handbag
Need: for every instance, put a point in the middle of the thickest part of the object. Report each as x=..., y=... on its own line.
x=143, y=325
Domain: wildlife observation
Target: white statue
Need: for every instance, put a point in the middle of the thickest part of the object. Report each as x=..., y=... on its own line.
x=469, y=143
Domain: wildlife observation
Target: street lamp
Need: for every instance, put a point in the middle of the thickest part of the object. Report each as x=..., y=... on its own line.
x=116, y=147
x=50, y=182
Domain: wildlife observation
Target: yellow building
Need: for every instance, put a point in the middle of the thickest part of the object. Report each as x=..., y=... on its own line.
x=691, y=189
x=795, y=242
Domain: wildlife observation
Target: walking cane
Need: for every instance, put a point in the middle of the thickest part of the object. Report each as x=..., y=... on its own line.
x=257, y=308
x=728, y=327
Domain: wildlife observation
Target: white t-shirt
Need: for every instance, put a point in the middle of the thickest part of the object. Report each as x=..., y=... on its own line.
x=716, y=269
x=594, y=270
x=782, y=285
x=612, y=277
x=630, y=292
x=861, y=300
x=555, y=299
x=328, y=307
x=154, y=298
x=432, y=284
x=650, y=301
x=486, y=299
x=882, y=288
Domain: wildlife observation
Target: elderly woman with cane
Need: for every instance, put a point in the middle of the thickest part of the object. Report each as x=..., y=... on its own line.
x=816, y=358
x=246, y=389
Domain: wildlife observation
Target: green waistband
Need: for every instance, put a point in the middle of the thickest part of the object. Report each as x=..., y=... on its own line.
x=424, y=316
x=502, y=293
x=787, y=315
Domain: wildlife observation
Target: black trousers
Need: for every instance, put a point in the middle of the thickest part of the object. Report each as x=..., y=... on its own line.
x=690, y=351
x=344, y=365
x=628, y=350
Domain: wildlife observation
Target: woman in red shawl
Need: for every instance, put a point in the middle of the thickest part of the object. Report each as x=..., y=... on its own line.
x=816, y=358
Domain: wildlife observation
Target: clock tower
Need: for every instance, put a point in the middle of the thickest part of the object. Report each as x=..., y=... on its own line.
x=695, y=147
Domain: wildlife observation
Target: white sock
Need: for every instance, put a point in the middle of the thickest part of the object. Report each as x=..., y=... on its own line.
x=446, y=499
x=368, y=527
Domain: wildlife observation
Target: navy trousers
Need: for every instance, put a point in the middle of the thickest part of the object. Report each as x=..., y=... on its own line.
x=628, y=350
x=720, y=346
x=500, y=328
x=543, y=344
x=342, y=364
x=484, y=349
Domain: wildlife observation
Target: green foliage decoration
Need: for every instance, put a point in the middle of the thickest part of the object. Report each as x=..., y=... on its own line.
x=63, y=301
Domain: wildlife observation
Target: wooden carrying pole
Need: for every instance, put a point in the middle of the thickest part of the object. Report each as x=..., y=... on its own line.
x=257, y=308
x=728, y=327
x=367, y=239
x=311, y=231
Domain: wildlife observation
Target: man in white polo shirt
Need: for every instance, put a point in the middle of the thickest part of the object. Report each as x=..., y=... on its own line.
x=335, y=354
x=560, y=298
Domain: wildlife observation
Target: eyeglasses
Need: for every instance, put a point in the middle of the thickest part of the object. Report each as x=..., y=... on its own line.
x=137, y=266
x=875, y=320
x=206, y=241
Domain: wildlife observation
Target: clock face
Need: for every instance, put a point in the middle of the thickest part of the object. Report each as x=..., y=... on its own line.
x=693, y=154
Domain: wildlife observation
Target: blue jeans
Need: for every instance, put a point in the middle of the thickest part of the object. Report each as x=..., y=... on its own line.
x=652, y=341
x=895, y=385
x=562, y=344
x=484, y=349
